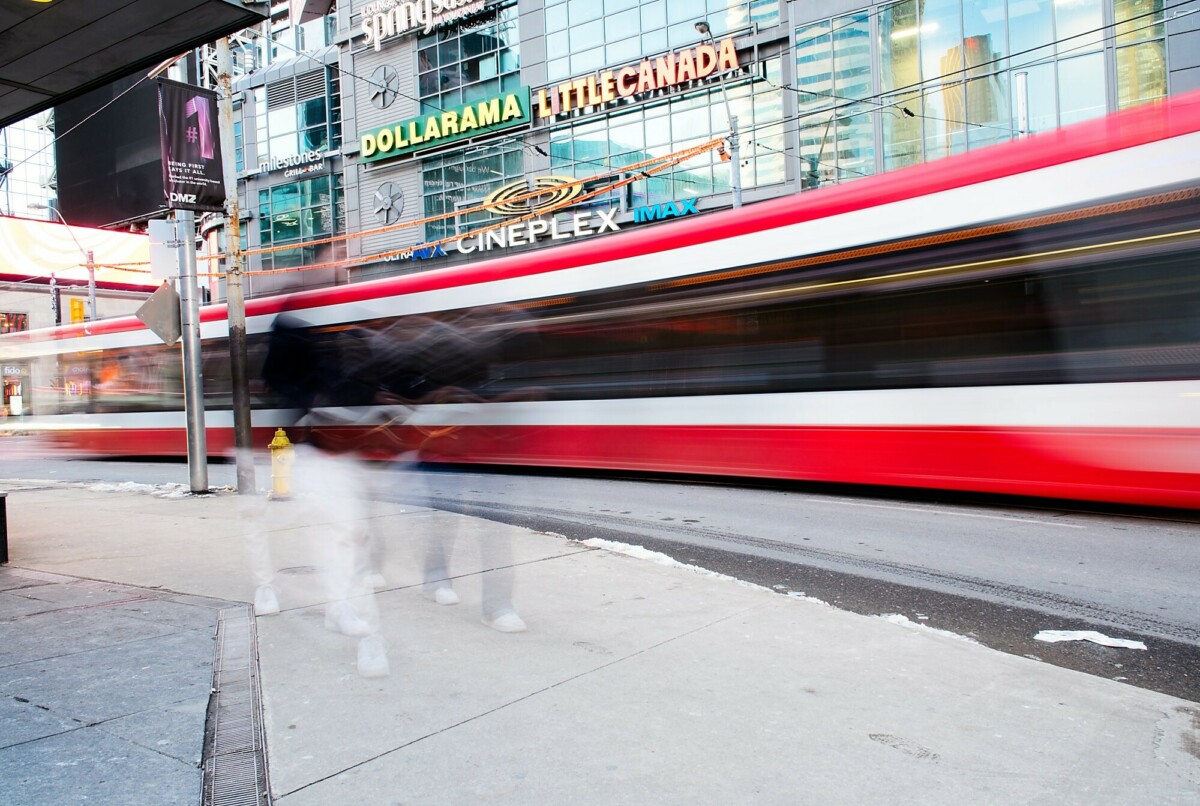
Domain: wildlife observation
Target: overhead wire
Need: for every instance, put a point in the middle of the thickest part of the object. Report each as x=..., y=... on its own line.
x=1108, y=31
x=915, y=87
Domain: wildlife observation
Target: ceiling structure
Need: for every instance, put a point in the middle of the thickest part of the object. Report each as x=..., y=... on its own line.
x=56, y=50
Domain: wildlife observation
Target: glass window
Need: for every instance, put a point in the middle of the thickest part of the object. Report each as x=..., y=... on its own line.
x=457, y=181
x=1035, y=94
x=286, y=127
x=957, y=75
x=1141, y=73
x=300, y=211
x=1078, y=26
x=13, y=322
x=589, y=147
x=470, y=64
x=1031, y=28
x=985, y=43
x=605, y=33
x=900, y=69
x=587, y=35
x=1137, y=20
x=239, y=148
x=1081, y=88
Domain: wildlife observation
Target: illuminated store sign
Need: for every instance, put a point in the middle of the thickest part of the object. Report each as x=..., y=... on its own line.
x=440, y=128
x=554, y=191
x=673, y=69
x=659, y=212
x=391, y=18
x=295, y=164
x=528, y=232
x=418, y=252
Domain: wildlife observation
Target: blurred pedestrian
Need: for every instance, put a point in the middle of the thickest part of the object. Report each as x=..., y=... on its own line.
x=324, y=375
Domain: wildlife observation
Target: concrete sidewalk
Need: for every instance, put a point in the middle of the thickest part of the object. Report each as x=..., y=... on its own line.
x=637, y=682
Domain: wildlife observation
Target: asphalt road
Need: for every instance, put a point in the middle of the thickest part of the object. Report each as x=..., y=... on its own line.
x=998, y=571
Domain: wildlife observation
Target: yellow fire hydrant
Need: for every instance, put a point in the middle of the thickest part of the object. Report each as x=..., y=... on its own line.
x=282, y=457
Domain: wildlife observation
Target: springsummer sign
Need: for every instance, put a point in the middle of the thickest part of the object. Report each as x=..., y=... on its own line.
x=386, y=19
x=438, y=129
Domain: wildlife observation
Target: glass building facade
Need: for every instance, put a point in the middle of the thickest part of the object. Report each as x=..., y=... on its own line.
x=599, y=143
x=469, y=64
x=296, y=212
x=901, y=83
x=585, y=35
x=822, y=93
x=303, y=113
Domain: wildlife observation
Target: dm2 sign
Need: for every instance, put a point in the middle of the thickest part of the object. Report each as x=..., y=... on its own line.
x=440, y=128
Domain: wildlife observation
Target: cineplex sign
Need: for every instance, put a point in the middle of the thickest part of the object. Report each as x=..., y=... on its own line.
x=671, y=70
x=440, y=128
x=555, y=190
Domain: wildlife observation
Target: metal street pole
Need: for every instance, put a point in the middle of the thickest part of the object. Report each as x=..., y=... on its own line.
x=735, y=155
x=234, y=298
x=193, y=378
x=87, y=254
x=55, y=301
x=91, y=267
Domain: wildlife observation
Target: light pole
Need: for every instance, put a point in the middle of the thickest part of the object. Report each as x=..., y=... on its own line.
x=87, y=255
x=735, y=170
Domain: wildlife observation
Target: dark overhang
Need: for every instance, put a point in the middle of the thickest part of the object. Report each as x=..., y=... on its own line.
x=56, y=50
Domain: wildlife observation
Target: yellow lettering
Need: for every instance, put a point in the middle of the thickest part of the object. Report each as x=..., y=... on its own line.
x=449, y=123
x=608, y=87
x=544, y=108
x=432, y=132
x=468, y=120
x=579, y=87
x=368, y=146
x=593, y=96
x=512, y=108
x=401, y=141
x=489, y=112
x=384, y=140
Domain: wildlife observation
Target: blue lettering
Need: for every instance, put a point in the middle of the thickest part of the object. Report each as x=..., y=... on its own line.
x=659, y=212
x=428, y=252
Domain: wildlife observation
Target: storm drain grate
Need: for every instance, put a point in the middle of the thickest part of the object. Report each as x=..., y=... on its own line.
x=235, y=759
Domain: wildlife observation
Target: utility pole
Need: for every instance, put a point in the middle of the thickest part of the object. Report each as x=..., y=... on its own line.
x=55, y=301
x=735, y=154
x=193, y=376
x=91, y=267
x=234, y=298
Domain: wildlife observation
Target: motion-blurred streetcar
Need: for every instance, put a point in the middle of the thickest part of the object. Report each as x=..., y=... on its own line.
x=1023, y=319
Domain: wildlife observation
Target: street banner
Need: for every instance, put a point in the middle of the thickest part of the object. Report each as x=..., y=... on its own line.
x=193, y=176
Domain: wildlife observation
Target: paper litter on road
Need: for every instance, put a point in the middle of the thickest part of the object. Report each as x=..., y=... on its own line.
x=1052, y=636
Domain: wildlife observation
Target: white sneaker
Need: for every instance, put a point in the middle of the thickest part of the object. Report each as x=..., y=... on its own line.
x=374, y=580
x=372, y=657
x=506, y=622
x=445, y=596
x=340, y=617
x=266, y=602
